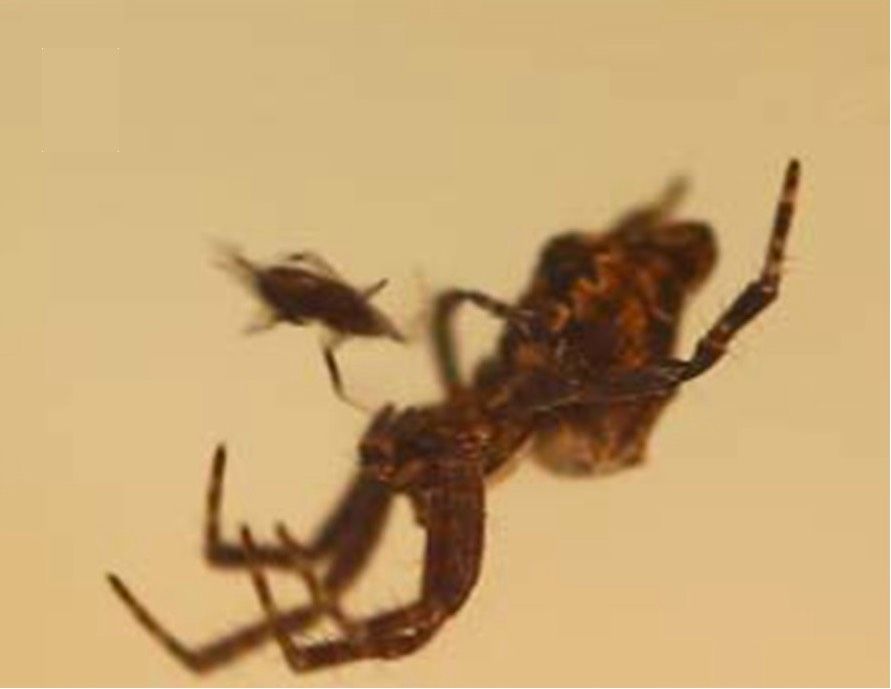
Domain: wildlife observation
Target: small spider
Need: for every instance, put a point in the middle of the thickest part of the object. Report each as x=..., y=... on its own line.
x=583, y=369
x=306, y=289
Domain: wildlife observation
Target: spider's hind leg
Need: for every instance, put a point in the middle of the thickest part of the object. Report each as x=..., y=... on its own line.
x=662, y=378
x=759, y=293
x=347, y=538
x=208, y=656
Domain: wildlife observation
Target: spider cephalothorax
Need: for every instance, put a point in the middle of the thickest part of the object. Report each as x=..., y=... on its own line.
x=584, y=367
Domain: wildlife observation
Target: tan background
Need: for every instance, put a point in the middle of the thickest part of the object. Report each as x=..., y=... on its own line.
x=446, y=141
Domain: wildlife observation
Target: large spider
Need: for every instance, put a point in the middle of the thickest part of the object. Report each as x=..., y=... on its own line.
x=583, y=369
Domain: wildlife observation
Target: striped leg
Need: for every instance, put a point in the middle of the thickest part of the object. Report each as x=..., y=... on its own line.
x=663, y=378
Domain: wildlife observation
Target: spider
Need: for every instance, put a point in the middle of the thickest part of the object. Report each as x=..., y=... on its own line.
x=582, y=371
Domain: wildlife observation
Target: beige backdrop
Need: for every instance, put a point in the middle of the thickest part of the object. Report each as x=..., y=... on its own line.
x=438, y=143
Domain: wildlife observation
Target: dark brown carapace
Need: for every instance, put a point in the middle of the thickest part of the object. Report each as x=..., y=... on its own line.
x=584, y=367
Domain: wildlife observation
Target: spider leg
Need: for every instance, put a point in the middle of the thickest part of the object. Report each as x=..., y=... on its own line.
x=227, y=648
x=452, y=558
x=220, y=553
x=348, y=538
x=220, y=651
x=324, y=598
x=758, y=294
x=662, y=378
x=444, y=311
x=354, y=526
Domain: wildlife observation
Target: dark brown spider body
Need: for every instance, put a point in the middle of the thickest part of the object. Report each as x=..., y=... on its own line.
x=606, y=303
x=584, y=367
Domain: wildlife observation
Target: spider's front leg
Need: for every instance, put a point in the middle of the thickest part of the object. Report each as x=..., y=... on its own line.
x=454, y=524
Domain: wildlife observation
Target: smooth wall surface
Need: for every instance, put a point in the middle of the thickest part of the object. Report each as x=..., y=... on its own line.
x=438, y=143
